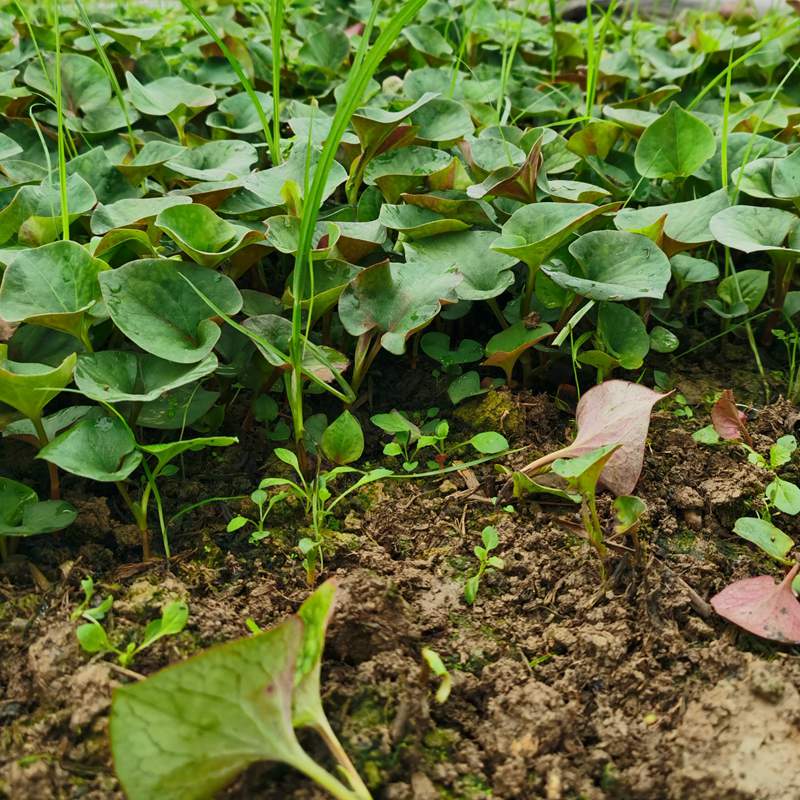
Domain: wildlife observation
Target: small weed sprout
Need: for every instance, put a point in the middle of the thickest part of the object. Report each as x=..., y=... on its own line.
x=491, y=541
x=434, y=664
x=93, y=637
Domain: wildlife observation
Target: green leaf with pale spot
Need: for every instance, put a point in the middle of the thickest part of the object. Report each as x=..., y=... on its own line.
x=152, y=303
x=397, y=299
x=53, y=286
x=116, y=376
x=773, y=541
x=100, y=447
x=487, y=272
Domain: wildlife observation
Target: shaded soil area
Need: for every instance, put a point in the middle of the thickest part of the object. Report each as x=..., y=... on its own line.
x=562, y=688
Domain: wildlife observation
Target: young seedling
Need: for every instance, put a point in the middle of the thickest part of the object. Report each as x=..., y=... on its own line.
x=94, y=638
x=491, y=541
x=264, y=503
x=432, y=434
x=582, y=475
x=780, y=495
x=616, y=412
x=103, y=447
x=628, y=512
x=342, y=442
x=434, y=664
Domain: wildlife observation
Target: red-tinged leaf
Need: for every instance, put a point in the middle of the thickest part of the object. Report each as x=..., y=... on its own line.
x=728, y=421
x=761, y=606
x=615, y=412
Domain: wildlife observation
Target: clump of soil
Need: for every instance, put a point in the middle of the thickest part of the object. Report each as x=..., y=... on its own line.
x=562, y=688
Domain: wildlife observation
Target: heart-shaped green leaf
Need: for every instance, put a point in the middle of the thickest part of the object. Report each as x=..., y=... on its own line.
x=202, y=235
x=116, y=376
x=534, y=231
x=505, y=348
x=237, y=115
x=487, y=271
x=343, y=439
x=622, y=334
x=23, y=514
x=152, y=303
x=100, y=447
x=615, y=266
x=674, y=146
x=169, y=96
x=131, y=213
x=396, y=299
x=758, y=229
x=686, y=222
x=30, y=387
x=53, y=286
x=223, y=160
x=405, y=169
x=149, y=159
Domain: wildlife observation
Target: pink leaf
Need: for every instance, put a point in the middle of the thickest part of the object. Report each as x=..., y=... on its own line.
x=728, y=421
x=615, y=412
x=761, y=606
x=354, y=30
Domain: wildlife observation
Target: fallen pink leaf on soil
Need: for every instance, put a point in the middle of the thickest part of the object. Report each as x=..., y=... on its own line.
x=728, y=421
x=761, y=606
x=615, y=412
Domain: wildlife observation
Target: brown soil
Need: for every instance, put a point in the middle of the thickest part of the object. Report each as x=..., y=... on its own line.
x=561, y=689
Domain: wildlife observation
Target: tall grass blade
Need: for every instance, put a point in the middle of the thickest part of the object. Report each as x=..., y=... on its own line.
x=112, y=77
x=365, y=64
x=274, y=147
x=62, y=158
x=276, y=22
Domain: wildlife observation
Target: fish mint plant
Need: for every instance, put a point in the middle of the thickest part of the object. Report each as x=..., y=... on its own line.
x=102, y=447
x=582, y=474
x=190, y=729
x=23, y=514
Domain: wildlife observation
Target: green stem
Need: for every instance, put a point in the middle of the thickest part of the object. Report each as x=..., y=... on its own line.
x=62, y=158
x=139, y=514
x=324, y=729
x=277, y=26
x=527, y=298
x=55, y=483
x=492, y=303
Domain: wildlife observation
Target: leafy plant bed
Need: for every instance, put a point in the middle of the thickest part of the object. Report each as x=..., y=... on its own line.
x=557, y=682
x=391, y=401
